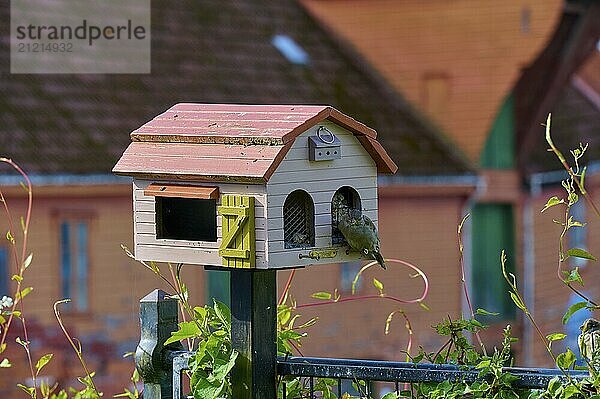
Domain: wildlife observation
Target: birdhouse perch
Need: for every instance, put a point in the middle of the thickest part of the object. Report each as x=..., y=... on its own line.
x=250, y=186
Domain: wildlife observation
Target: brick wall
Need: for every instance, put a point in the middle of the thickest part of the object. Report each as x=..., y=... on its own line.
x=551, y=295
x=116, y=282
x=418, y=229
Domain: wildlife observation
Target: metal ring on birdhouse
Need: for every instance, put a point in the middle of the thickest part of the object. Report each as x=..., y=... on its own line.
x=323, y=128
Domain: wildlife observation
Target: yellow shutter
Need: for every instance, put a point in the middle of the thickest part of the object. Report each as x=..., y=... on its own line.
x=238, y=243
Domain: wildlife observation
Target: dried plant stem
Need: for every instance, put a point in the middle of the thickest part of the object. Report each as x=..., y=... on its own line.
x=19, y=262
x=572, y=174
x=174, y=284
x=287, y=286
x=561, y=259
x=511, y=280
x=575, y=178
x=381, y=295
x=463, y=281
x=76, y=346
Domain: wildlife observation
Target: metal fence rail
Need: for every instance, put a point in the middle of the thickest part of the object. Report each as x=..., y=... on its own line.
x=371, y=371
x=402, y=372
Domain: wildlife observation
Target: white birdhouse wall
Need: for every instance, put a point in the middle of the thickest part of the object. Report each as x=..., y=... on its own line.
x=320, y=180
x=149, y=247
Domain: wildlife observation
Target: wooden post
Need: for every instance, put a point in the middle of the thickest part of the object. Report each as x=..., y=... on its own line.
x=253, y=333
x=158, y=318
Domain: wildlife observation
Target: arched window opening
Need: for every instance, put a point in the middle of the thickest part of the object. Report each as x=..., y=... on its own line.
x=298, y=220
x=345, y=198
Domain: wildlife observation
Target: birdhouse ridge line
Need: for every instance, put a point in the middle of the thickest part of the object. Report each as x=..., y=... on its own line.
x=203, y=122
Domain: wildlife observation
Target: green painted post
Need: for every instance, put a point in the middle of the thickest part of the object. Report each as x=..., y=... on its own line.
x=253, y=333
x=158, y=318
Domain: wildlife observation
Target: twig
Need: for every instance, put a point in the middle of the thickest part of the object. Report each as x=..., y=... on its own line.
x=463, y=279
x=568, y=168
x=287, y=286
x=19, y=263
x=76, y=348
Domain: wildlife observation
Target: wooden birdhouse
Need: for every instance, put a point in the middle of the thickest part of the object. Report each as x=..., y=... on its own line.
x=250, y=186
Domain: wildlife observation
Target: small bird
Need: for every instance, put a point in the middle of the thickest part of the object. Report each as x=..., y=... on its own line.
x=589, y=341
x=299, y=239
x=360, y=233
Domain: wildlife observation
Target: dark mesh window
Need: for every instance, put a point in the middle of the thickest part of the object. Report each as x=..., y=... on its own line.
x=344, y=198
x=298, y=220
x=186, y=219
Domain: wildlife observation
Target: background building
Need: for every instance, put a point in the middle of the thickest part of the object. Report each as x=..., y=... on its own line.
x=67, y=131
x=449, y=102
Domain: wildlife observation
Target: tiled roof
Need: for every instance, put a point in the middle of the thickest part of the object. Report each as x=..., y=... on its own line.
x=211, y=51
x=575, y=112
x=575, y=120
x=231, y=142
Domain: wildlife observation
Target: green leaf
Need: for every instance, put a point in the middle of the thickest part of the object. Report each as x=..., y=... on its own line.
x=552, y=202
x=573, y=275
x=29, y=390
x=5, y=363
x=572, y=309
x=222, y=368
x=23, y=293
x=17, y=278
x=555, y=337
x=569, y=391
x=483, y=364
x=223, y=313
x=187, y=329
x=42, y=362
x=485, y=312
x=573, y=198
x=322, y=295
x=206, y=389
x=201, y=313
x=580, y=253
x=379, y=285
x=566, y=360
x=574, y=223
x=284, y=314
x=126, y=394
x=518, y=301
x=293, y=335
x=28, y=261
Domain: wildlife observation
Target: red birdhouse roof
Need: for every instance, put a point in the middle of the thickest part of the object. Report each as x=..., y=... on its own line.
x=238, y=142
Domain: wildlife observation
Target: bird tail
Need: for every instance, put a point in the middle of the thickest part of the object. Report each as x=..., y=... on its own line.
x=379, y=259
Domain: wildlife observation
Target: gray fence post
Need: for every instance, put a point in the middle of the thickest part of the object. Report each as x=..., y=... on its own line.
x=253, y=333
x=158, y=318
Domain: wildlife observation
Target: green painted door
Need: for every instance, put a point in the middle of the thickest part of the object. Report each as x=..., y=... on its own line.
x=493, y=227
x=492, y=232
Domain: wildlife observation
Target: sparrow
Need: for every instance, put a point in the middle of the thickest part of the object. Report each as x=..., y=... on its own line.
x=299, y=239
x=589, y=341
x=361, y=234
